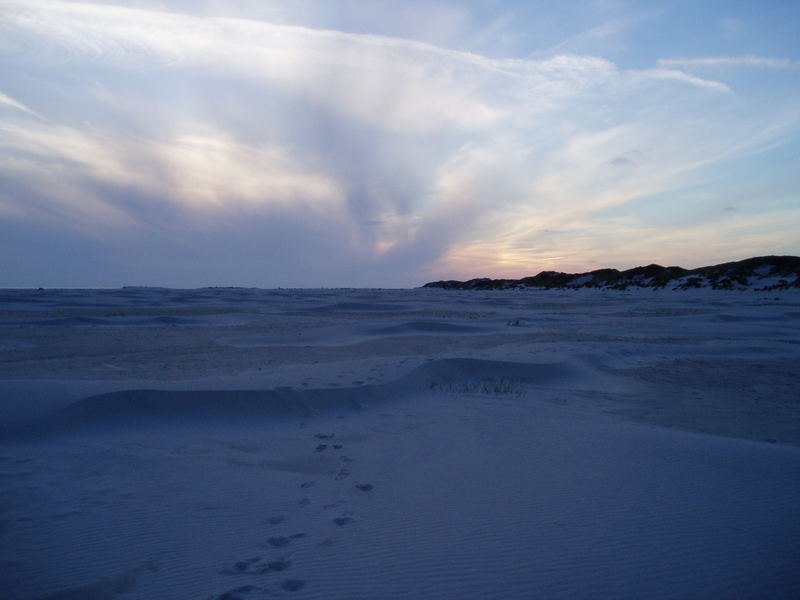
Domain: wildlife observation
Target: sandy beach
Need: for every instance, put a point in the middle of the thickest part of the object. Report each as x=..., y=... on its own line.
x=229, y=443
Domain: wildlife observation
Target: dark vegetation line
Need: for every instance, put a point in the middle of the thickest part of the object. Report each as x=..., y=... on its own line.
x=764, y=273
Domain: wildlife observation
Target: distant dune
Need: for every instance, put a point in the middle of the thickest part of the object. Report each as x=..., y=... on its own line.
x=764, y=273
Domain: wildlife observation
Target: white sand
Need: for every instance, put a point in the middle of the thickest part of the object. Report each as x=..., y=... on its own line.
x=356, y=444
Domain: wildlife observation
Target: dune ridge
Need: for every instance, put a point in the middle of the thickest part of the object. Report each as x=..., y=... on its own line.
x=138, y=407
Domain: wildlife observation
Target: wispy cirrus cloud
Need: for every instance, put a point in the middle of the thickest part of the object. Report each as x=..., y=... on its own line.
x=680, y=76
x=392, y=158
x=8, y=101
x=731, y=61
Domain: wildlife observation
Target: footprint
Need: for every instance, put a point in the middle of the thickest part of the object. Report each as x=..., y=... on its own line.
x=279, y=565
x=297, y=536
x=276, y=520
x=342, y=474
x=304, y=502
x=341, y=521
x=337, y=446
x=243, y=565
x=321, y=448
x=335, y=504
x=345, y=459
x=365, y=487
x=248, y=566
x=292, y=585
x=278, y=541
x=323, y=436
x=307, y=484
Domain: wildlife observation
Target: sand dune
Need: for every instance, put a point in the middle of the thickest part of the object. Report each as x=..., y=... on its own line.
x=326, y=444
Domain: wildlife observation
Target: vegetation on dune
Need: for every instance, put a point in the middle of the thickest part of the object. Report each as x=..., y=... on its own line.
x=764, y=273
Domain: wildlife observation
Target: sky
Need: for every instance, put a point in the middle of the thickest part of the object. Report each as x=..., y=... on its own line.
x=375, y=143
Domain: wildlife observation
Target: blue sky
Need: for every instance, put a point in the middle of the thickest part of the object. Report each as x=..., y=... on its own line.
x=363, y=143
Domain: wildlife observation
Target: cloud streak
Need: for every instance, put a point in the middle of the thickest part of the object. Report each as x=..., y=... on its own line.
x=731, y=61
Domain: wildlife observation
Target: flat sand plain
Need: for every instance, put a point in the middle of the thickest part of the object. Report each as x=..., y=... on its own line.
x=238, y=443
